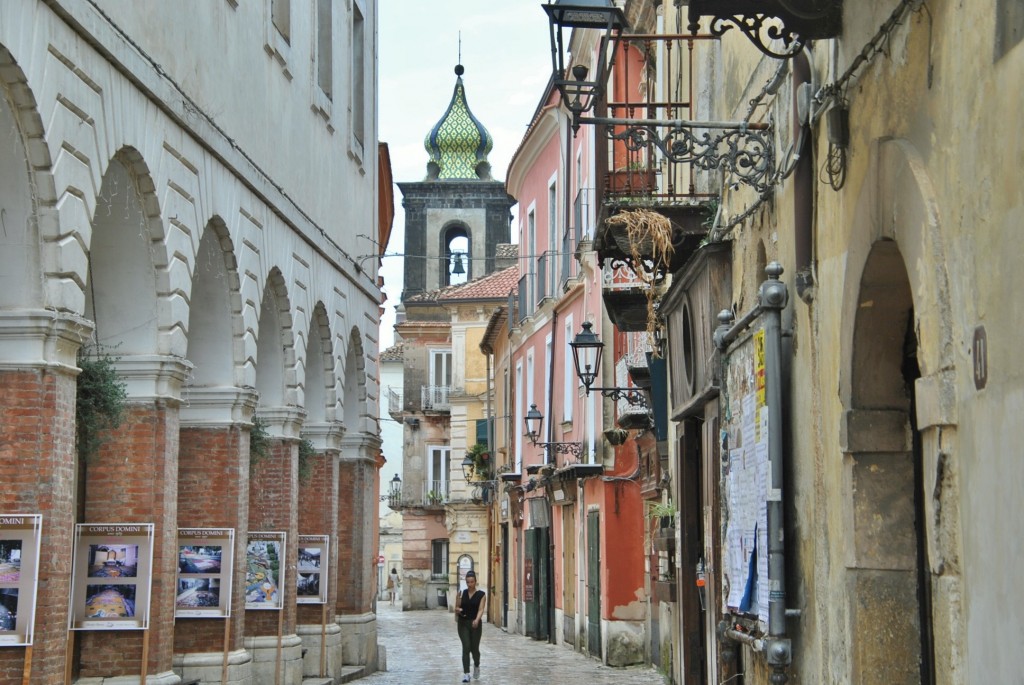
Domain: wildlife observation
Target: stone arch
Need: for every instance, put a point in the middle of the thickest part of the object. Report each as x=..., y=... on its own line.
x=450, y=233
x=354, y=384
x=320, y=386
x=128, y=283
x=897, y=386
x=215, y=313
x=26, y=186
x=899, y=203
x=275, y=349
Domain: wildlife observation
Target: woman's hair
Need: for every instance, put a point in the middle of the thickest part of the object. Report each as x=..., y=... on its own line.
x=393, y=570
x=471, y=574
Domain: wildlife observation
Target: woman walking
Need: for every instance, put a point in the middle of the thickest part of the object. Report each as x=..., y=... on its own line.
x=469, y=614
x=392, y=586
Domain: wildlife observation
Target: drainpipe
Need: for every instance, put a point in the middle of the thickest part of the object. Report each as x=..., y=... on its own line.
x=779, y=649
x=552, y=629
x=491, y=570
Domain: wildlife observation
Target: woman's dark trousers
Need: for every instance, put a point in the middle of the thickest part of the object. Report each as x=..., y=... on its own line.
x=470, y=637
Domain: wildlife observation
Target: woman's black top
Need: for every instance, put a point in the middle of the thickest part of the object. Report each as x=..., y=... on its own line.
x=469, y=606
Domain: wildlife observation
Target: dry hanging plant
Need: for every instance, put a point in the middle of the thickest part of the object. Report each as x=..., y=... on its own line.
x=650, y=239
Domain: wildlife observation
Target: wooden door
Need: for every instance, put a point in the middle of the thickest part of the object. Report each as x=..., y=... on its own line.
x=594, y=584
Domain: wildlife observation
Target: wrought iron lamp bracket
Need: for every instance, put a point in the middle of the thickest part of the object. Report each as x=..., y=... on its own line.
x=631, y=396
x=767, y=23
x=745, y=151
x=574, y=449
x=762, y=31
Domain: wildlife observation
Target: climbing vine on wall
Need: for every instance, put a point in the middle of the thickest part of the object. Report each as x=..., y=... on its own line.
x=306, y=454
x=99, y=403
x=259, y=441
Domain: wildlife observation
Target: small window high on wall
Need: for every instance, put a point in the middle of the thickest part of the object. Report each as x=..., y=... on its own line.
x=358, y=62
x=281, y=15
x=324, y=54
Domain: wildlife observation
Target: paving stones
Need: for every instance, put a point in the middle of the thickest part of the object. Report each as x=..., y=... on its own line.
x=423, y=649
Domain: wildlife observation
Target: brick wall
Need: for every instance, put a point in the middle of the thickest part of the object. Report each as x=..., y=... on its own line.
x=134, y=480
x=273, y=505
x=37, y=462
x=213, y=492
x=357, y=560
x=318, y=498
x=418, y=532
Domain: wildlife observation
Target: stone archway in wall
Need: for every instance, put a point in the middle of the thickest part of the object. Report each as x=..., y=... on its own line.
x=888, y=608
x=127, y=261
x=319, y=383
x=21, y=282
x=354, y=391
x=215, y=313
x=275, y=350
x=456, y=250
x=897, y=387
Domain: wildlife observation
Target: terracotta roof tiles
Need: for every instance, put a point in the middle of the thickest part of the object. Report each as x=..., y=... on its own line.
x=495, y=286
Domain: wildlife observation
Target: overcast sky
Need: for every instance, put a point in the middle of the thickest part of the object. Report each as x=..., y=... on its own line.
x=507, y=55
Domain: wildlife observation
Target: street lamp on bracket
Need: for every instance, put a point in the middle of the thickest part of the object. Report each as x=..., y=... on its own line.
x=587, y=350
x=394, y=490
x=534, y=420
x=578, y=93
x=467, y=466
x=744, y=150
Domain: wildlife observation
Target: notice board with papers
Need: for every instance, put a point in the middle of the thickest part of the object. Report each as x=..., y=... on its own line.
x=745, y=478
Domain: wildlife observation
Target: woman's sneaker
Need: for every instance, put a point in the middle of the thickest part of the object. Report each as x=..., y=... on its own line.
x=465, y=678
x=476, y=673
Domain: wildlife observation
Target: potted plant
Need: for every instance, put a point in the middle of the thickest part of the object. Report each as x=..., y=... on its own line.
x=634, y=178
x=434, y=497
x=646, y=236
x=481, y=461
x=664, y=512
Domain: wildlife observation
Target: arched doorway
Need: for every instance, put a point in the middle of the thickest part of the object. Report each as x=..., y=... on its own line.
x=888, y=578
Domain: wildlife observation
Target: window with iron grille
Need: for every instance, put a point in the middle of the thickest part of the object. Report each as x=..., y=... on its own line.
x=439, y=558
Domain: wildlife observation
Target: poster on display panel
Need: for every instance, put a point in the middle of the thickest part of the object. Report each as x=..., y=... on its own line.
x=112, y=576
x=205, y=566
x=745, y=478
x=19, y=577
x=264, y=570
x=313, y=570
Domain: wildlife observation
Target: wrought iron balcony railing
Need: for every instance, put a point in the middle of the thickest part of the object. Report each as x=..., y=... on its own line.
x=394, y=401
x=435, y=397
x=436, y=493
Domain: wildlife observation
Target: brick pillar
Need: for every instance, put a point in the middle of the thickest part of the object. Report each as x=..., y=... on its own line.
x=357, y=561
x=213, y=492
x=37, y=469
x=273, y=506
x=134, y=479
x=318, y=495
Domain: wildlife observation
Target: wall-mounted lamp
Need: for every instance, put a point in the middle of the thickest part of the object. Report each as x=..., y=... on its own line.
x=394, y=493
x=744, y=149
x=534, y=420
x=579, y=94
x=587, y=350
x=467, y=466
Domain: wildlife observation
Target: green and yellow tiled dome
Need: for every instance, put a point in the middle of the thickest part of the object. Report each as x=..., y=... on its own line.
x=458, y=144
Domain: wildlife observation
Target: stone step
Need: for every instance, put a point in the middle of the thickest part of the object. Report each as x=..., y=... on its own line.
x=350, y=673
x=317, y=681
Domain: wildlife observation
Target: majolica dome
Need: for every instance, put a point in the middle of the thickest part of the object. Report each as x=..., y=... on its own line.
x=458, y=144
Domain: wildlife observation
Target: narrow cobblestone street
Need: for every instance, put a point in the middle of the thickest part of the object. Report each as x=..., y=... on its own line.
x=423, y=649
